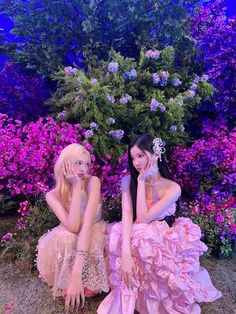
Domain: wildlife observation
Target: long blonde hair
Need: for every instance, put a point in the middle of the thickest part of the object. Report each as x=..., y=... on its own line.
x=62, y=185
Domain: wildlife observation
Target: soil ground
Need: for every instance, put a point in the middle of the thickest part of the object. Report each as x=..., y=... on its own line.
x=31, y=296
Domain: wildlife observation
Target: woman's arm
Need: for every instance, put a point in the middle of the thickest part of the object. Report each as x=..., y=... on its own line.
x=142, y=208
x=71, y=219
x=170, y=196
x=127, y=215
x=94, y=198
x=75, y=291
x=127, y=262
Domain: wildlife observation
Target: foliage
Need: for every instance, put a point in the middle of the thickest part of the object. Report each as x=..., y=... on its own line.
x=46, y=38
x=20, y=243
x=112, y=210
x=124, y=98
x=6, y=203
x=21, y=95
x=209, y=164
x=216, y=217
x=215, y=35
x=110, y=175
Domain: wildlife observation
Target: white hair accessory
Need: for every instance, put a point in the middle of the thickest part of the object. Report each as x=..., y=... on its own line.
x=158, y=147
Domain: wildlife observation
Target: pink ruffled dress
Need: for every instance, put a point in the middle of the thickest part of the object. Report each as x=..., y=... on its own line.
x=56, y=257
x=169, y=278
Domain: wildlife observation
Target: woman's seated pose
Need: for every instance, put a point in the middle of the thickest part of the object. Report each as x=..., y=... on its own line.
x=153, y=257
x=70, y=256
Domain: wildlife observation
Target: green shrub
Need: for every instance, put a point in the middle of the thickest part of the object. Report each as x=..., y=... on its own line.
x=151, y=95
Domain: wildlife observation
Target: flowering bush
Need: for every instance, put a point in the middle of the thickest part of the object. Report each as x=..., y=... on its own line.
x=110, y=175
x=20, y=243
x=21, y=95
x=216, y=217
x=209, y=164
x=124, y=98
x=28, y=153
x=215, y=35
x=206, y=172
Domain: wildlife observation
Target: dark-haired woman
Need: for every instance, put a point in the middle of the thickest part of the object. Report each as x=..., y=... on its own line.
x=153, y=257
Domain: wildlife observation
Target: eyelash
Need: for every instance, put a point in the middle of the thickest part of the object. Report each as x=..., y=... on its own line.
x=80, y=163
x=139, y=156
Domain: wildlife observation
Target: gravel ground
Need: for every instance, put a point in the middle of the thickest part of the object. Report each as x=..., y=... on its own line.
x=31, y=296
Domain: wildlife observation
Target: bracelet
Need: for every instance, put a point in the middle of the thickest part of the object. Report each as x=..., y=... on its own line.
x=83, y=253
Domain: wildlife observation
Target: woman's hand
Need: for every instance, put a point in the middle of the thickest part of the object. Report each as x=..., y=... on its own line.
x=69, y=172
x=75, y=294
x=128, y=270
x=151, y=168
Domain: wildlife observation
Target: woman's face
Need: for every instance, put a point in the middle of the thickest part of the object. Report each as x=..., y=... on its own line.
x=139, y=158
x=82, y=164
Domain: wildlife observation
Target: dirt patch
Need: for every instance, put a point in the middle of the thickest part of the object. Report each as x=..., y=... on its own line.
x=31, y=296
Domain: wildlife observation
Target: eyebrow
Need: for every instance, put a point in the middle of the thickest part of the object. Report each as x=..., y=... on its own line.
x=136, y=154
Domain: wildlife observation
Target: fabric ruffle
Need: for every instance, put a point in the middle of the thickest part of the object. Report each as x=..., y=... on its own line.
x=56, y=257
x=168, y=278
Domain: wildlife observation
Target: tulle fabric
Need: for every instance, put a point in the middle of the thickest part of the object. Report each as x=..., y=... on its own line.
x=169, y=278
x=56, y=257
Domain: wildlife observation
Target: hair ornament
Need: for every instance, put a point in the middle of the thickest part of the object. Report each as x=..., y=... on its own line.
x=158, y=147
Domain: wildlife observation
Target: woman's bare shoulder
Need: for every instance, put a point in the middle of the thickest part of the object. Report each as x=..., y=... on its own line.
x=91, y=183
x=52, y=194
x=170, y=186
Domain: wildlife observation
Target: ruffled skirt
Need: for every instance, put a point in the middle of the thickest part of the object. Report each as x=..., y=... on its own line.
x=56, y=257
x=168, y=277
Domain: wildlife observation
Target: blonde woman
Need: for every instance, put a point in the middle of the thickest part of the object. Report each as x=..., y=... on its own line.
x=70, y=256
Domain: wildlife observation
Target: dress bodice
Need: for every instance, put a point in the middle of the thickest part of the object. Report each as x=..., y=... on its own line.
x=152, y=198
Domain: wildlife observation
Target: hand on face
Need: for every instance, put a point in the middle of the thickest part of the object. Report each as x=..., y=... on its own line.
x=151, y=168
x=69, y=172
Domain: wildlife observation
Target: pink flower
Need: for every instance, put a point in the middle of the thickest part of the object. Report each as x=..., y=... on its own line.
x=24, y=208
x=108, y=156
x=88, y=146
x=219, y=219
x=196, y=209
x=93, y=158
x=7, y=237
x=21, y=225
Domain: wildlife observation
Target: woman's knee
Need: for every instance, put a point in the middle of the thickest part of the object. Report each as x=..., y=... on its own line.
x=68, y=240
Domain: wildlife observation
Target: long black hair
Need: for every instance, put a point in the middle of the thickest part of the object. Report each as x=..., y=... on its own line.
x=145, y=143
